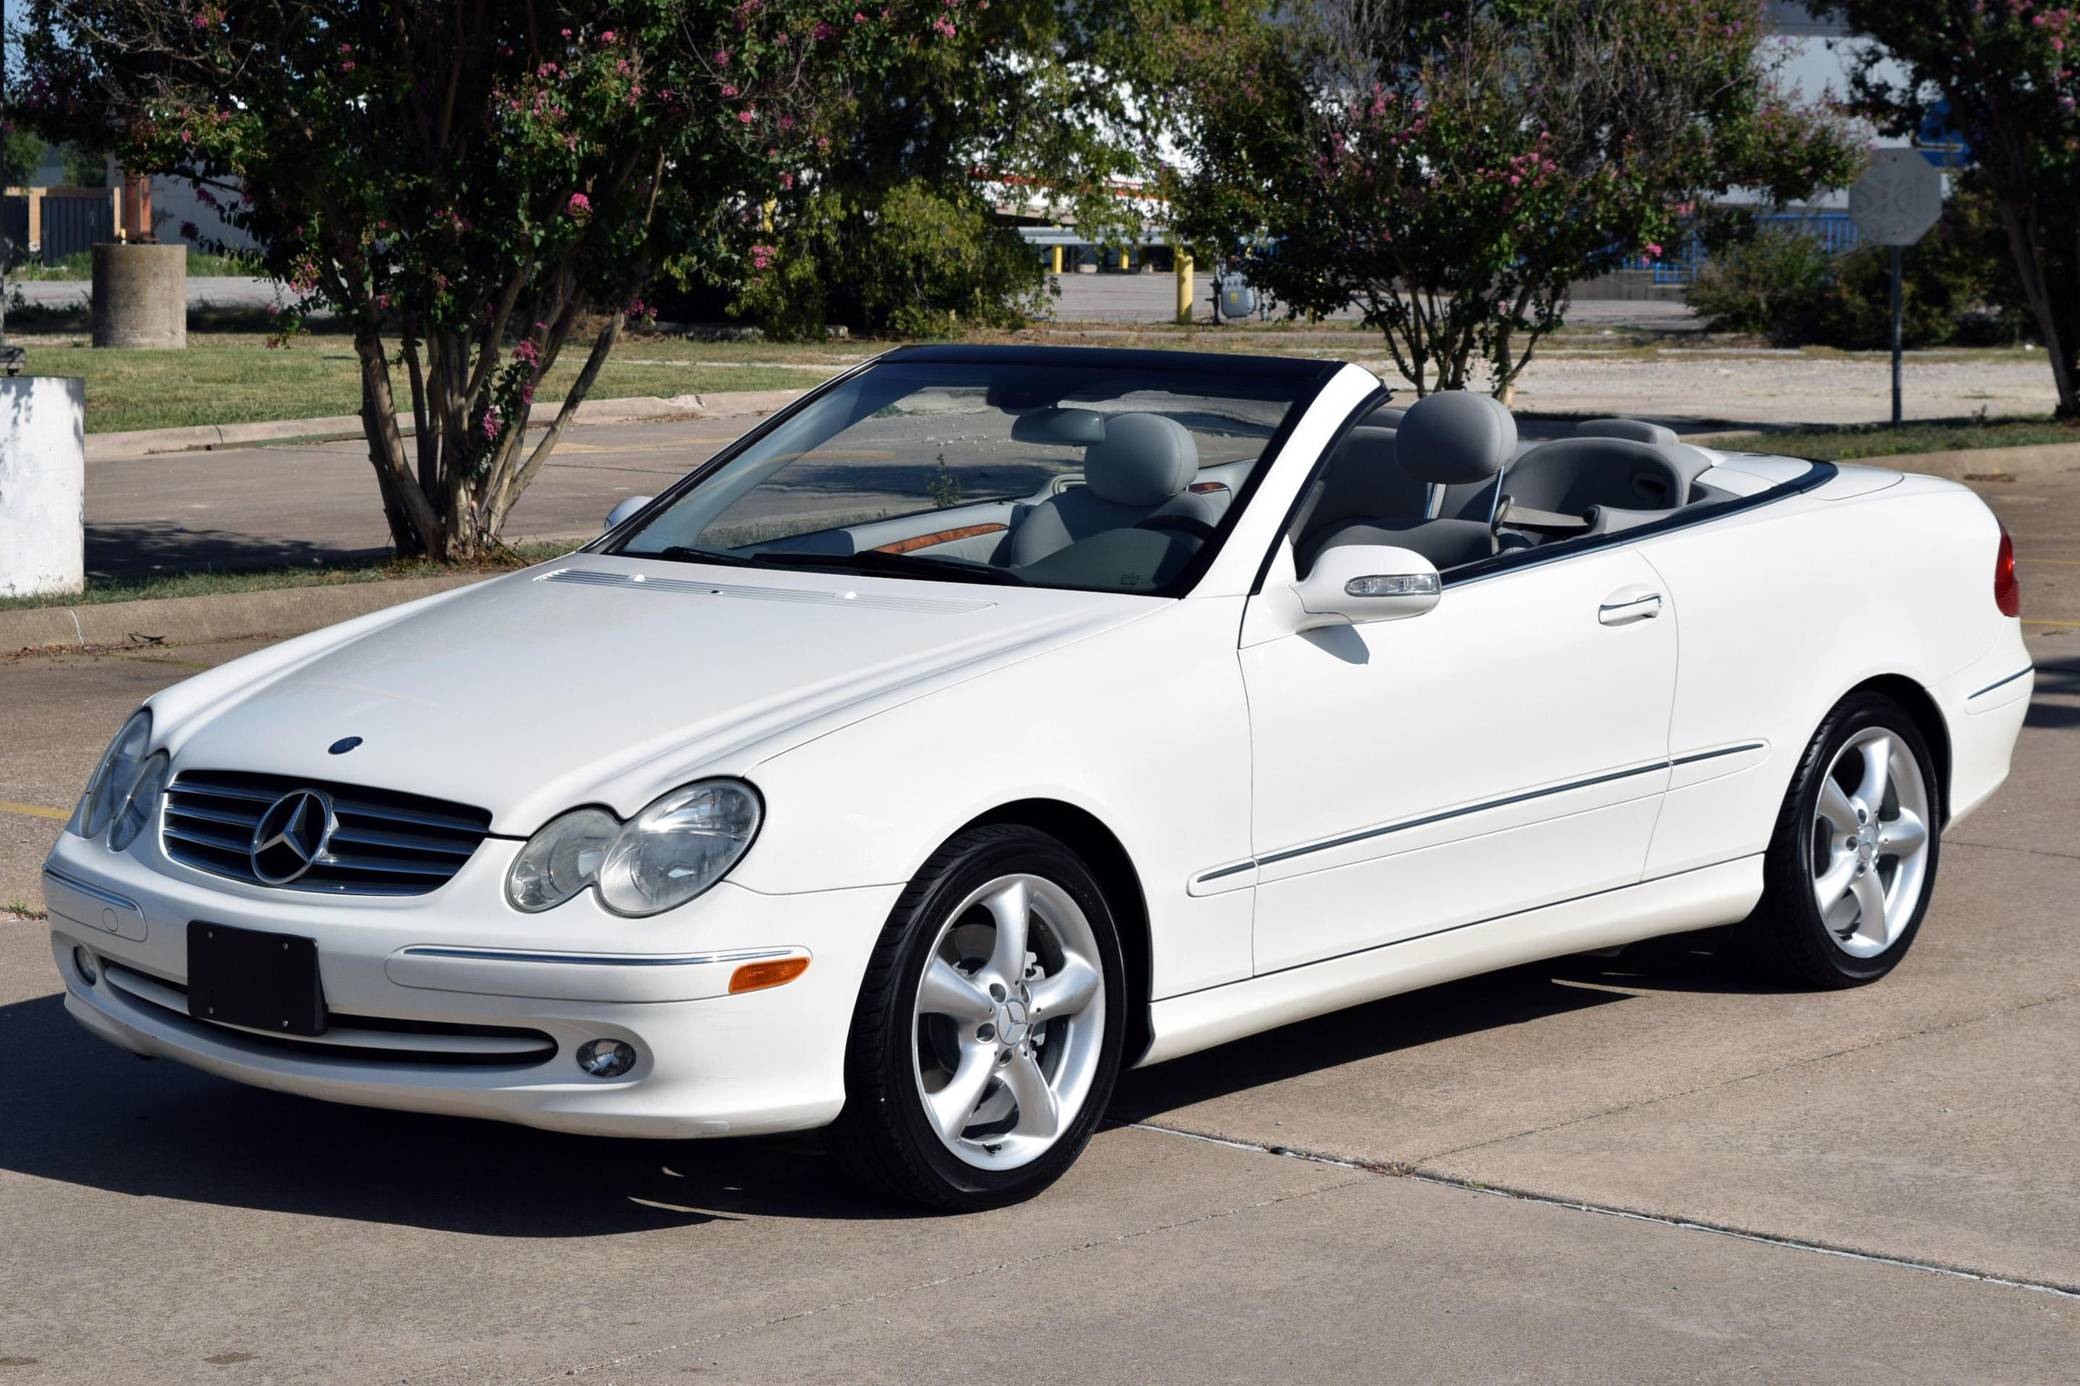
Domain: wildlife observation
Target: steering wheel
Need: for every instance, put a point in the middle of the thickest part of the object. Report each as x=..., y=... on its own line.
x=1187, y=525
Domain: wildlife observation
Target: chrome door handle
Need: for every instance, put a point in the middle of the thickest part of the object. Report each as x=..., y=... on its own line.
x=1631, y=604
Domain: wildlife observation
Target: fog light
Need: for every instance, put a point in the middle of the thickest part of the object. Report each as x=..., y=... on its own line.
x=83, y=962
x=605, y=1058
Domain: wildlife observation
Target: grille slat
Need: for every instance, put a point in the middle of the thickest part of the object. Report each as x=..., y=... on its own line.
x=382, y=842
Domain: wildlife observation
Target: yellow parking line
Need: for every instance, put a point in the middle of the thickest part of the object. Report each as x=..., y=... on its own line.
x=34, y=810
x=2030, y=621
x=2061, y=562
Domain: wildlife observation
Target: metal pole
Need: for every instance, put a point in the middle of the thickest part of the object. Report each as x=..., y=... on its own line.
x=1896, y=257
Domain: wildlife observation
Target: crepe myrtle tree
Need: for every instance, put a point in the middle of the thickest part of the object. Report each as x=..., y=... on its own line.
x=2010, y=73
x=473, y=186
x=1453, y=166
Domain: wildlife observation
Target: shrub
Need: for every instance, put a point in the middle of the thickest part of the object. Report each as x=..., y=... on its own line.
x=1772, y=286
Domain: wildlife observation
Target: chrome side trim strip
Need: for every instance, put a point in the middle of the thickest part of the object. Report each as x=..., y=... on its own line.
x=1696, y=756
x=1367, y=834
x=106, y=897
x=596, y=959
x=2001, y=683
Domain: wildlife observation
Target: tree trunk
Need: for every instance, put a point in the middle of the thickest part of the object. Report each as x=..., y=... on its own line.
x=415, y=529
x=2028, y=256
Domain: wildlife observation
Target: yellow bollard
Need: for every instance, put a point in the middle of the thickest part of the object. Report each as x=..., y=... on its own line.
x=1057, y=260
x=1123, y=257
x=1184, y=287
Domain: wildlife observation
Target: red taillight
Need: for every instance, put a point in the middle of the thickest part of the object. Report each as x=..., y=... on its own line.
x=2007, y=589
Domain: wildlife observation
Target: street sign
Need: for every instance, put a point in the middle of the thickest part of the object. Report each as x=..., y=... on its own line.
x=1895, y=202
x=1897, y=199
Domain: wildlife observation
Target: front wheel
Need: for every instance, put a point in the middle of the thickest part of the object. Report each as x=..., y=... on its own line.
x=989, y=1028
x=1852, y=862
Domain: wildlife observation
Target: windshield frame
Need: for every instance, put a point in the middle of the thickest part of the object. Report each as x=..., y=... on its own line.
x=1309, y=377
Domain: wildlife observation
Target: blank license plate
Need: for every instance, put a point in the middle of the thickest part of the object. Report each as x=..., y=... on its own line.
x=259, y=980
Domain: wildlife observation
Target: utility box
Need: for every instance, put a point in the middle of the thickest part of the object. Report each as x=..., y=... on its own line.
x=43, y=485
x=140, y=295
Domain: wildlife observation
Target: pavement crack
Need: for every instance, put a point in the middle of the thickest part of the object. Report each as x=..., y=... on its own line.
x=1421, y=1175
x=939, y=1282
x=1720, y=1229
x=1752, y=1074
x=2011, y=847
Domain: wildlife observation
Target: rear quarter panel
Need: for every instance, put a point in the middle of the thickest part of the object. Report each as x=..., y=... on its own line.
x=1785, y=608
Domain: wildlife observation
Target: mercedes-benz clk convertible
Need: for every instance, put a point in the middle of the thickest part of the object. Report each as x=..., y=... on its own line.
x=995, y=718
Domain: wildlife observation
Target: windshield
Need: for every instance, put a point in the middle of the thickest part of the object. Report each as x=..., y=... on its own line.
x=1104, y=477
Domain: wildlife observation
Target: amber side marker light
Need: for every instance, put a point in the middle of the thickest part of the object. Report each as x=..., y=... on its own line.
x=759, y=975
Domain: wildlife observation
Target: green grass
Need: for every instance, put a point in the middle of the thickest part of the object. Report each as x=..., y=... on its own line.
x=209, y=582
x=236, y=378
x=80, y=266
x=1851, y=441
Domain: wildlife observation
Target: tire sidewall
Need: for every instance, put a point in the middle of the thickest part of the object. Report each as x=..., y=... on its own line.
x=1857, y=714
x=1000, y=853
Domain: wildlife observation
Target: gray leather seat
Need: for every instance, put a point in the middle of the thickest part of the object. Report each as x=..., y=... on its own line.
x=1571, y=476
x=1457, y=440
x=1633, y=430
x=1142, y=467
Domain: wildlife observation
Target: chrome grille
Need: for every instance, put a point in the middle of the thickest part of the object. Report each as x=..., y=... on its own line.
x=383, y=843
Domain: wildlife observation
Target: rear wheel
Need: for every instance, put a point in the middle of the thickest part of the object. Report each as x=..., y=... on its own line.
x=989, y=1028
x=1852, y=862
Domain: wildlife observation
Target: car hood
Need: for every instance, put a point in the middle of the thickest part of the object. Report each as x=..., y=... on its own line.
x=608, y=680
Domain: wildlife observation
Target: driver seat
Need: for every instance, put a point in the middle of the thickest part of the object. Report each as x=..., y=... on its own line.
x=1453, y=439
x=1142, y=467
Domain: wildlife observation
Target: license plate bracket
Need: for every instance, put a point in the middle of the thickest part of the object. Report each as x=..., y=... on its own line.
x=259, y=980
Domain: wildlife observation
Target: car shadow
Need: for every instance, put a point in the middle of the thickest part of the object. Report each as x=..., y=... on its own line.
x=78, y=1111
x=75, y=1110
x=2055, y=701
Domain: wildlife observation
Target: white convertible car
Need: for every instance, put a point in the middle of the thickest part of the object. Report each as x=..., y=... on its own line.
x=993, y=718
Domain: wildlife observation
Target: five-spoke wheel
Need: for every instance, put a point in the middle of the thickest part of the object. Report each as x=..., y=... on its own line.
x=988, y=1034
x=1850, y=866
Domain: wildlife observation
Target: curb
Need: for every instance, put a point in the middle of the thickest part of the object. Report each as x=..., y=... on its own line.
x=277, y=612
x=146, y=442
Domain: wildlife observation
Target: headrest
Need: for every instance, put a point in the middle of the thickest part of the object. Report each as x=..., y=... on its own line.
x=1143, y=459
x=1611, y=471
x=1075, y=428
x=1634, y=430
x=1455, y=437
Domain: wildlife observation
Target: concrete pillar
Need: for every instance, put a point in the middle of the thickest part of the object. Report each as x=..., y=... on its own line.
x=1184, y=287
x=43, y=485
x=141, y=296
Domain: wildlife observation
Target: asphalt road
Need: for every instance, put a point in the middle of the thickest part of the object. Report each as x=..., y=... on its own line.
x=1596, y=1169
x=1083, y=298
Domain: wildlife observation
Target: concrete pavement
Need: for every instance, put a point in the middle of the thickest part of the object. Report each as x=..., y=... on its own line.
x=1621, y=1169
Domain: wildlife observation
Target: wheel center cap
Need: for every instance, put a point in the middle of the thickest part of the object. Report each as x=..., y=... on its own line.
x=1013, y=1019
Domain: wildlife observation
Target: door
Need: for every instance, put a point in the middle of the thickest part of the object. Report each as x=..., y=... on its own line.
x=1505, y=750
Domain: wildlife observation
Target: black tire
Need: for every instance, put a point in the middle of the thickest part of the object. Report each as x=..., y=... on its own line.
x=1785, y=939
x=882, y=1137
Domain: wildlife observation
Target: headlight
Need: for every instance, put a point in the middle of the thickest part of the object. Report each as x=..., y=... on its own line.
x=562, y=859
x=113, y=777
x=663, y=857
x=142, y=803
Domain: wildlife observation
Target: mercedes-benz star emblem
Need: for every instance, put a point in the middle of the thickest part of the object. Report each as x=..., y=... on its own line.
x=291, y=836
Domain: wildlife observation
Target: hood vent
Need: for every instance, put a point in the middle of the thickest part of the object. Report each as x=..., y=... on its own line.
x=688, y=587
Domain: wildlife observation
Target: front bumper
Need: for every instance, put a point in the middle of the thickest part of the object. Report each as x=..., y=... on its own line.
x=455, y=1003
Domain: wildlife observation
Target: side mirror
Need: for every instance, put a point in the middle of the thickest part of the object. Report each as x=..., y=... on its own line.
x=1356, y=583
x=624, y=510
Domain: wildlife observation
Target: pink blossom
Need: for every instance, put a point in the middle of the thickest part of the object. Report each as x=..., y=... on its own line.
x=347, y=66
x=606, y=36
x=490, y=423
x=944, y=26
x=580, y=205
x=1653, y=249
x=382, y=301
x=527, y=353
x=729, y=89
x=744, y=117
x=527, y=393
x=722, y=57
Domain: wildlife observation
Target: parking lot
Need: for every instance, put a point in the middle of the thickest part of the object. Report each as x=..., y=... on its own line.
x=1624, y=1168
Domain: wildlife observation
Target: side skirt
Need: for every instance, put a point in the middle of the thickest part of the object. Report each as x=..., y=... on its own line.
x=1668, y=905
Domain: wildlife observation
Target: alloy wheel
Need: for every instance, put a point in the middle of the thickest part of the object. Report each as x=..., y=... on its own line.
x=1870, y=842
x=1009, y=1021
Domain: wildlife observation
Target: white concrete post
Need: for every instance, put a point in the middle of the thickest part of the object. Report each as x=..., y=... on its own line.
x=43, y=485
